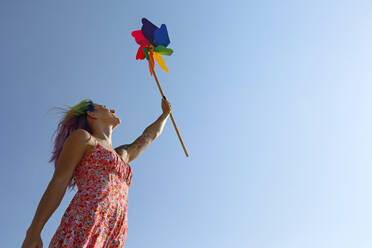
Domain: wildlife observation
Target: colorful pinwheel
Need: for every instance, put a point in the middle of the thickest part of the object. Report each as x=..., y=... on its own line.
x=153, y=43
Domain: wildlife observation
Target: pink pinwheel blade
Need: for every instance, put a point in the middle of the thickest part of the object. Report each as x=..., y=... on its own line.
x=140, y=38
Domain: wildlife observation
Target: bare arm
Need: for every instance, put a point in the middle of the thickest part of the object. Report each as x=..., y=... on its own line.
x=48, y=204
x=71, y=154
x=131, y=151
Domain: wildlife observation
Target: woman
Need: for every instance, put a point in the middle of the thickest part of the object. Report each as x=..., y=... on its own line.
x=83, y=156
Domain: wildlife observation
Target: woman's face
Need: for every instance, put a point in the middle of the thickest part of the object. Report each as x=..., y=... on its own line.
x=105, y=115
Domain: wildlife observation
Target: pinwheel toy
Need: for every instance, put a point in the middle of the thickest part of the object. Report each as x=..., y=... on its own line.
x=153, y=43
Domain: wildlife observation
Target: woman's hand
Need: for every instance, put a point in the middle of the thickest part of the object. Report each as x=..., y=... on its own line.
x=166, y=106
x=32, y=241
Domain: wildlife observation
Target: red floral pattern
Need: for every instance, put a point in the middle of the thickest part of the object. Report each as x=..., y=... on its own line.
x=97, y=215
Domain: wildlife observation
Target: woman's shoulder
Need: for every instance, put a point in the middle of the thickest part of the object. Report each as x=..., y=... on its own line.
x=83, y=137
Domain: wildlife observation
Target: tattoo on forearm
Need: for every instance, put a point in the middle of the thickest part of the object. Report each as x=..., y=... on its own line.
x=145, y=139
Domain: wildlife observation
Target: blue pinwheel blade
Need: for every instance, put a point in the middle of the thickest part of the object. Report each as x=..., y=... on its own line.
x=161, y=36
x=148, y=29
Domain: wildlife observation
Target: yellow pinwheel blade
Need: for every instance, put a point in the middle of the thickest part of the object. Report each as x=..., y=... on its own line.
x=160, y=61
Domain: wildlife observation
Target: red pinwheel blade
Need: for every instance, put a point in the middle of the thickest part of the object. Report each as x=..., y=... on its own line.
x=140, y=53
x=140, y=39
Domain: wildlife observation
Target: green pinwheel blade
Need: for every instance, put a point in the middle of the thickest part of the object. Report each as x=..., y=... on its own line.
x=163, y=50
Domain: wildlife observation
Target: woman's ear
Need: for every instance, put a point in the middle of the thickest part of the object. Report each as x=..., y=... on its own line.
x=91, y=114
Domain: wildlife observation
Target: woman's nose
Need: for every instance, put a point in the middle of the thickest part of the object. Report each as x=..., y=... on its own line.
x=112, y=111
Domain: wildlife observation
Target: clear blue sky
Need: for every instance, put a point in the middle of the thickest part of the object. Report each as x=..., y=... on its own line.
x=272, y=100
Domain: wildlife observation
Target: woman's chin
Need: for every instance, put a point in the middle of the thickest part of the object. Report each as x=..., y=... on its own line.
x=117, y=121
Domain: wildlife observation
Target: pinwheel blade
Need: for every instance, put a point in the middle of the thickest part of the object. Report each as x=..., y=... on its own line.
x=163, y=50
x=140, y=39
x=160, y=61
x=161, y=36
x=148, y=29
x=140, y=53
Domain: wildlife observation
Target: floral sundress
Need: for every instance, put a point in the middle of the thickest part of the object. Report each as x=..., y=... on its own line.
x=97, y=214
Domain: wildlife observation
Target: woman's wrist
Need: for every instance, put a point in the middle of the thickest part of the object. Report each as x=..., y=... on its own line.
x=32, y=230
x=165, y=114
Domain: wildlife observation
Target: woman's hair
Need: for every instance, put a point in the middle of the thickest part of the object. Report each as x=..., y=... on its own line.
x=74, y=118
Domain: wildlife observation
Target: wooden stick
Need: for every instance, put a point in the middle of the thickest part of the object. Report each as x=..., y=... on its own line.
x=174, y=123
